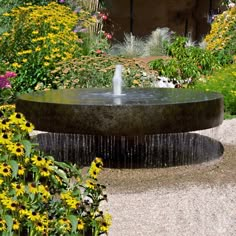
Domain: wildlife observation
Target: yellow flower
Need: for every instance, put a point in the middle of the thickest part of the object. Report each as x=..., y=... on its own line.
x=46, y=63
x=81, y=224
x=17, y=149
x=65, y=223
x=37, y=49
x=24, y=60
x=19, y=188
x=105, y=222
x=16, y=65
x=35, y=32
x=27, y=126
x=90, y=184
x=3, y=225
x=10, y=204
x=34, y=216
x=38, y=161
x=17, y=118
x=5, y=170
x=33, y=188
x=1, y=181
x=21, y=170
x=16, y=224
x=5, y=138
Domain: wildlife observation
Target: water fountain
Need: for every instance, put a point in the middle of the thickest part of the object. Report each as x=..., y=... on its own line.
x=139, y=127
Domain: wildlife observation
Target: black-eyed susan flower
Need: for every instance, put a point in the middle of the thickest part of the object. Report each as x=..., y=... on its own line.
x=105, y=222
x=5, y=138
x=33, y=188
x=34, y=216
x=23, y=211
x=93, y=172
x=16, y=224
x=21, y=169
x=10, y=204
x=90, y=184
x=39, y=226
x=45, y=170
x=27, y=126
x=80, y=225
x=5, y=170
x=65, y=223
x=16, y=149
x=73, y=203
x=17, y=118
x=38, y=161
x=3, y=225
x=4, y=124
x=19, y=188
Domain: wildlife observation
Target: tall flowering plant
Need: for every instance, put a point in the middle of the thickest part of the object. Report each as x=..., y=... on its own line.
x=41, y=196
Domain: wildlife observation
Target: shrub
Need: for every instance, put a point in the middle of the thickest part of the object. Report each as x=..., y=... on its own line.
x=187, y=62
x=222, y=81
x=41, y=196
x=40, y=36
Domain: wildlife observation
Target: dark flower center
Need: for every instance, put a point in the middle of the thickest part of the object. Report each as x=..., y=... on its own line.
x=27, y=124
x=18, y=116
x=5, y=136
x=5, y=170
x=39, y=158
x=18, y=150
x=13, y=204
x=18, y=186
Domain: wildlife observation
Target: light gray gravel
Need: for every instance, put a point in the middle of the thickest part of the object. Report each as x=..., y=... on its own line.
x=183, y=209
x=187, y=210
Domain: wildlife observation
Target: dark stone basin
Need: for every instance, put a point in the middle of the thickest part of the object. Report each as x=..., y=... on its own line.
x=136, y=112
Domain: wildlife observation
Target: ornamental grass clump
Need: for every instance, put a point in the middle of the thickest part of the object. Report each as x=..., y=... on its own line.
x=39, y=37
x=41, y=196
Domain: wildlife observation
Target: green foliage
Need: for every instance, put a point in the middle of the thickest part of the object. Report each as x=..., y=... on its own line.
x=222, y=81
x=41, y=196
x=186, y=62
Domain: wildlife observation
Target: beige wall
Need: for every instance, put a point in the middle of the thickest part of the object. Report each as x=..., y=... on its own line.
x=150, y=14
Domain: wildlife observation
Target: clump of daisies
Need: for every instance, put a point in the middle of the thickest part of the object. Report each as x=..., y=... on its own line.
x=41, y=196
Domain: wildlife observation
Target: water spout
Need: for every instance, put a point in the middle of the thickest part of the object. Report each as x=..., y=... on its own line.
x=117, y=81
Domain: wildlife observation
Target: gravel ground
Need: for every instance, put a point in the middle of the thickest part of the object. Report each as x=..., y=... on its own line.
x=178, y=201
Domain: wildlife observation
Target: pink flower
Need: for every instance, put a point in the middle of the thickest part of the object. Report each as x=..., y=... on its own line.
x=4, y=82
x=98, y=51
x=108, y=36
x=10, y=74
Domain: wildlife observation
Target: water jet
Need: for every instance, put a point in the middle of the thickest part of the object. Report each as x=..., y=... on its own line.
x=133, y=128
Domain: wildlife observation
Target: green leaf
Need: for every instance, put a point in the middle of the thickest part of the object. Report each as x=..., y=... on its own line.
x=28, y=146
x=14, y=167
x=74, y=221
x=62, y=174
x=9, y=221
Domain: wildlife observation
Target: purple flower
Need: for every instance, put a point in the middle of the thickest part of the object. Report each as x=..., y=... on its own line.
x=4, y=82
x=61, y=1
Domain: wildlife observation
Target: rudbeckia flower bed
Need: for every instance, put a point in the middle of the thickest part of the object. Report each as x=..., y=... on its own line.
x=41, y=196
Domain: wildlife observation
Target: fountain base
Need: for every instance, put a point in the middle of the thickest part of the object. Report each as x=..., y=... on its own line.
x=148, y=151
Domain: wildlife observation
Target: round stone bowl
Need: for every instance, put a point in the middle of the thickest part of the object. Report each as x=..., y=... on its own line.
x=138, y=111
